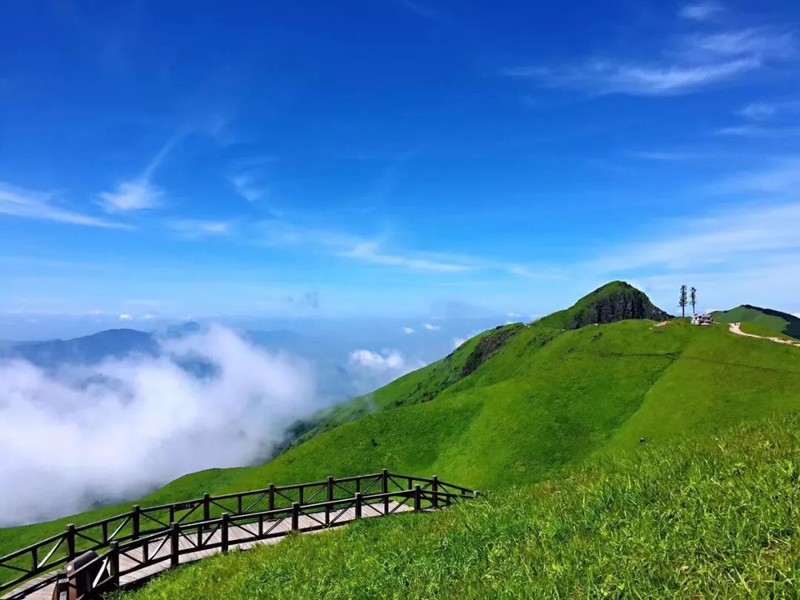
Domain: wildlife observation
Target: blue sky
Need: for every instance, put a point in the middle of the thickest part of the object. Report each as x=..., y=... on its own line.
x=394, y=157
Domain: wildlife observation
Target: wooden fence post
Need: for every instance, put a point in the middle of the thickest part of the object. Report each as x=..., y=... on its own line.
x=295, y=516
x=359, y=502
x=174, y=542
x=70, y=541
x=435, y=490
x=206, y=507
x=136, y=521
x=113, y=563
x=330, y=499
x=385, y=490
x=224, y=532
x=417, y=498
x=271, y=505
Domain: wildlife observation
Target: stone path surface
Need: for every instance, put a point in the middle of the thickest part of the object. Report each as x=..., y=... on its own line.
x=161, y=548
x=737, y=329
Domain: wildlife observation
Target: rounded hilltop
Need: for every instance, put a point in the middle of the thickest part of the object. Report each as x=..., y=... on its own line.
x=612, y=302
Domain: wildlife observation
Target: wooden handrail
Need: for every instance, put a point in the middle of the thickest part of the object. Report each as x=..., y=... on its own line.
x=130, y=533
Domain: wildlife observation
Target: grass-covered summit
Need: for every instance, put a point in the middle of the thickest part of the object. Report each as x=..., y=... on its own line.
x=767, y=318
x=538, y=401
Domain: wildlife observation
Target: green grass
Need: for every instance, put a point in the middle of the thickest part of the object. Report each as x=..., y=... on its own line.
x=417, y=387
x=772, y=320
x=764, y=331
x=544, y=403
x=715, y=518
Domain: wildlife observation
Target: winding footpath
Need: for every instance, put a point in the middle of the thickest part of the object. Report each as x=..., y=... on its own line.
x=737, y=329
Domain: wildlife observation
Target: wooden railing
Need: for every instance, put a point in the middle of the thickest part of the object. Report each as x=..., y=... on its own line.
x=141, y=535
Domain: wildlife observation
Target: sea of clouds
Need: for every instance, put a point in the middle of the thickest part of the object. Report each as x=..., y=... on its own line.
x=71, y=437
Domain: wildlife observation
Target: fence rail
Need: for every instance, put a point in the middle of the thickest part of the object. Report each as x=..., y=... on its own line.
x=145, y=537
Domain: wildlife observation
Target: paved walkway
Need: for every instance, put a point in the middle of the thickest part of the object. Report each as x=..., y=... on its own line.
x=737, y=329
x=133, y=558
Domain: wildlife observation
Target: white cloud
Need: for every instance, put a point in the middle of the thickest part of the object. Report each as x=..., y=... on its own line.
x=196, y=228
x=409, y=330
x=667, y=156
x=758, y=111
x=277, y=232
x=431, y=327
x=139, y=194
x=609, y=77
x=700, y=11
x=764, y=43
x=126, y=317
x=183, y=424
x=370, y=252
x=728, y=237
x=695, y=62
x=247, y=187
x=763, y=111
x=370, y=370
x=756, y=131
x=41, y=206
x=797, y=314
x=130, y=196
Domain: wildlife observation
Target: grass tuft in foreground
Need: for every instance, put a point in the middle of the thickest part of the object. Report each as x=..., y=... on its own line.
x=717, y=518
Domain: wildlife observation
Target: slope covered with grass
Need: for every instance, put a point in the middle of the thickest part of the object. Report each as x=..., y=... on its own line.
x=545, y=402
x=707, y=519
x=615, y=301
x=773, y=320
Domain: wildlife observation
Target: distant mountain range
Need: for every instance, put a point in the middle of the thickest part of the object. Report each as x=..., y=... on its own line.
x=120, y=343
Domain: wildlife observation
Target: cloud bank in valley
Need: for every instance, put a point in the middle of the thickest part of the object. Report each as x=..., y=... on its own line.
x=116, y=430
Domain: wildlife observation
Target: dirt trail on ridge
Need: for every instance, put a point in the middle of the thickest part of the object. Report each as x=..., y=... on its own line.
x=737, y=329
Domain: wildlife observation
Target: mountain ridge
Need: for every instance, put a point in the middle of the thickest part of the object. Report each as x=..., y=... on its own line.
x=774, y=320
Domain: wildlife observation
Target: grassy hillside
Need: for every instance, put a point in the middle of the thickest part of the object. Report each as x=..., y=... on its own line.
x=615, y=301
x=773, y=320
x=710, y=519
x=543, y=403
x=417, y=387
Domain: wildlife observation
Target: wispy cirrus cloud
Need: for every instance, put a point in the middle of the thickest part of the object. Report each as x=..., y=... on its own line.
x=371, y=252
x=279, y=232
x=667, y=155
x=690, y=64
x=758, y=131
x=766, y=110
x=139, y=194
x=758, y=111
x=199, y=228
x=247, y=186
x=611, y=77
x=43, y=206
x=765, y=43
x=700, y=11
x=723, y=241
